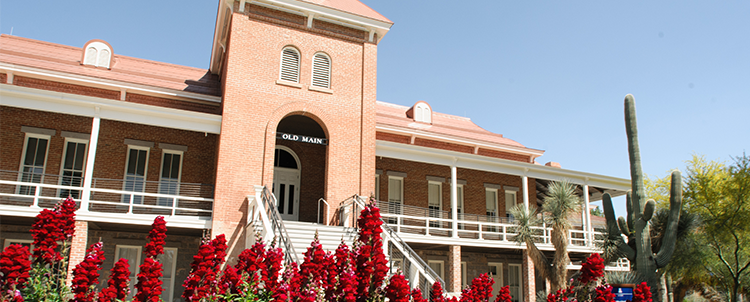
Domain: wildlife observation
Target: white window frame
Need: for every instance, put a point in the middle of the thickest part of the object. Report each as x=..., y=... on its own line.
x=513, y=204
x=460, y=204
x=422, y=113
x=512, y=266
x=499, y=277
x=395, y=209
x=327, y=75
x=492, y=216
x=62, y=162
x=134, y=267
x=163, y=201
x=8, y=241
x=298, y=67
x=125, y=197
x=377, y=187
x=98, y=61
x=170, y=294
x=23, y=156
x=441, y=272
x=435, y=213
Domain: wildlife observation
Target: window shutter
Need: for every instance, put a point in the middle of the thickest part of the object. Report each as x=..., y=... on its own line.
x=290, y=65
x=321, y=75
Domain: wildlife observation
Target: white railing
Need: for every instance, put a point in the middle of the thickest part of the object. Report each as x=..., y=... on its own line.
x=424, y=221
x=265, y=219
x=107, y=196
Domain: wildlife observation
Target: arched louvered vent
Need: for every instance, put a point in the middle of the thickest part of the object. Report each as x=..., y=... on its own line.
x=321, y=75
x=290, y=65
x=97, y=54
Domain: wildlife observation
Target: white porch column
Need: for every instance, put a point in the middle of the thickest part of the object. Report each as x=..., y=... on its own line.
x=90, y=158
x=587, y=227
x=454, y=198
x=525, y=191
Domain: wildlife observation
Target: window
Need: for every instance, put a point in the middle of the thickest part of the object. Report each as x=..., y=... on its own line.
x=434, y=200
x=289, y=65
x=97, y=54
x=74, y=159
x=437, y=266
x=460, y=207
x=135, y=173
x=510, y=202
x=514, y=282
x=395, y=196
x=33, y=161
x=464, y=275
x=496, y=272
x=23, y=242
x=422, y=113
x=377, y=187
x=169, y=179
x=491, y=206
x=321, y=73
x=133, y=255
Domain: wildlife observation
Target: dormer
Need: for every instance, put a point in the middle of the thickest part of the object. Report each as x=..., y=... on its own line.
x=420, y=112
x=97, y=53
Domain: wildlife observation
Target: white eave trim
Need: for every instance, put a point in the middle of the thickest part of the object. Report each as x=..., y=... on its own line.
x=322, y=12
x=497, y=165
x=111, y=84
x=533, y=153
x=81, y=105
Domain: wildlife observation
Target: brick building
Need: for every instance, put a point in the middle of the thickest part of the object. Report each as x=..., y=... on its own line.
x=289, y=103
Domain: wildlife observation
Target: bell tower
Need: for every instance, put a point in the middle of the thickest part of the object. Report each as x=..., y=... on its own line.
x=299, y=85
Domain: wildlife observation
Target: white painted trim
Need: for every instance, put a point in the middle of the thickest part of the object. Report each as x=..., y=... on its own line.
x=88, y=174
x=65, y=77
x=499, y=269
x=9, y=241
x=496, y=165
x=62, y=161
x=66, y=103
x=459, y=140
x=520, y=279
x=441, y=273
x=464, y=274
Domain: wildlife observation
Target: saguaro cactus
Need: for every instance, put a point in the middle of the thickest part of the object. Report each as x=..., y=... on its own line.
x=638, y=248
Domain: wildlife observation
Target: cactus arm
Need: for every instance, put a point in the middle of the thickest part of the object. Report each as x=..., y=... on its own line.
x=648, y=210
x=670, y=236
x=613, y=230
x=634, y=151
x=624, y=229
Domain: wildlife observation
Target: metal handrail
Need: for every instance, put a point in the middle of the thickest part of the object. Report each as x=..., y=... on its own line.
x=327, y=207
x=403, y=246
x=277, y=225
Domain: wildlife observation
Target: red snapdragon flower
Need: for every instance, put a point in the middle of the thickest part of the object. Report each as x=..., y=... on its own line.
x=252, y=261
x=398, y=289
x=479, y=291
x=14, y=268
x=149, y=286
x=156, y=237
x=372, y=267
x=504, y=294
x=592, y=269
x=342, y=279
x=314, y=267
x=230, y=279
x=117, y=287
x=274, y=265
x=436, y=293
x=201, y=282
x=86, y=274
x=50, y=227
x=416, y=296
x=604, y=294
x=642, y=293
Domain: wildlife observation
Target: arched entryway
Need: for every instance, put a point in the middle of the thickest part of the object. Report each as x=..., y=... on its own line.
x=300, y=168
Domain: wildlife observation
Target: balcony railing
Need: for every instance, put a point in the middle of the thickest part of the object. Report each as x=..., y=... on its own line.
x=430, y=222
x=108, y=195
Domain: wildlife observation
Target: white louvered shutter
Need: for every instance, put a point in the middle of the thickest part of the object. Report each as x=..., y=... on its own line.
x=321, y=75
x=290, y=65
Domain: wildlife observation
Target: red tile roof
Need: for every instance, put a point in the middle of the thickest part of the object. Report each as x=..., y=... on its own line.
x=442, y=124
x=66, y=59
x=351, y=6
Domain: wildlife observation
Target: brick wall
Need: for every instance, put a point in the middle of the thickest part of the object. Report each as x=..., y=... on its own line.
x=254, y=104
x=415, y=184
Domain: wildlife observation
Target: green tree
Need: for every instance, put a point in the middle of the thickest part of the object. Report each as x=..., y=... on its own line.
x=720, y=195
x=597, y=212
x=560, y=203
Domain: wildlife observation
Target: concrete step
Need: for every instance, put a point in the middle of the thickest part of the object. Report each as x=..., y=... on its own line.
x=301, y=234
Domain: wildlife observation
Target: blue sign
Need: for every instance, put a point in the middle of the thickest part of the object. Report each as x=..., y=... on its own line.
x=623, y=293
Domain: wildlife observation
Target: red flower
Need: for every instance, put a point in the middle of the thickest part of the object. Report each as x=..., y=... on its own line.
x=315, y=266
x=50, y=227
x=149, y=286
x=274, y=265
x=416, y=296
x=504, y=294
x=436, y=293
x=201, y=282
x=252, y=261
x=592, y=269
x=372, y=267
x=156, y=236
x=604, y=294
x=480, y=290
x=117, y=286
x=230, y=278
x=86, y=274
x=398, y=289
x=642, y=293
x=14, y=268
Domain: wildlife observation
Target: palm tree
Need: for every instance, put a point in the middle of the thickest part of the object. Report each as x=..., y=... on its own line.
x=560, y=203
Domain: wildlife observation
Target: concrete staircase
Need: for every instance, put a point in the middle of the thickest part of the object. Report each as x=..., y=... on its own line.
x=303, y=233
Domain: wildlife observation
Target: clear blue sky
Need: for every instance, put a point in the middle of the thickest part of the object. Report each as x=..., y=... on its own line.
x=549, y=74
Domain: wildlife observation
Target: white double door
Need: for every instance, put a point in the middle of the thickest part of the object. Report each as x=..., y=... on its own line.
x=286, y=189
